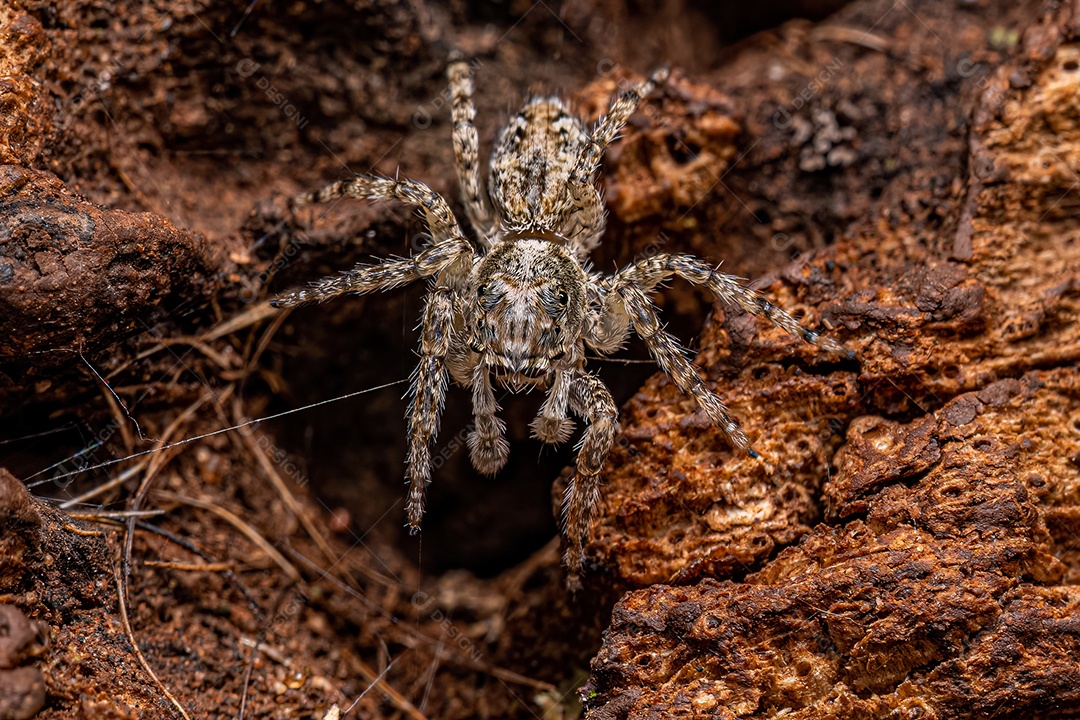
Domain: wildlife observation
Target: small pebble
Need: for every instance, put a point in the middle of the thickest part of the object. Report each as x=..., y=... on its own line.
x=22, y=694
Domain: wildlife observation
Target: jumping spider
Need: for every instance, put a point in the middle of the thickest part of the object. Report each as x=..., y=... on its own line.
x=522, y=304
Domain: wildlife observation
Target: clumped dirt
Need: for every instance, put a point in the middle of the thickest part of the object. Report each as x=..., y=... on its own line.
x=903, y=175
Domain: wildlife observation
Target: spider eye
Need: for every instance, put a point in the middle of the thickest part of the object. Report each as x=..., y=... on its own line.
x=481, y=291
x=563, y=297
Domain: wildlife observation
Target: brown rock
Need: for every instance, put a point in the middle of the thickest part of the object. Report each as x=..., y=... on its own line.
x=927, y=329
x=18, y=513
x=24, y=102
x=75, y=275
x=944, y=584
x=19, y=637
x=17, y=507
x=913, y=602
x=656, y=170
x=23, y=693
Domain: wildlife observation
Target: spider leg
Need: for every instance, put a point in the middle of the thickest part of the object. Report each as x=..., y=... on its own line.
x=582, y=217
x=671, y=358
x=381, y=276
x=488, y=448
x=440, y=220
x=629, y=288
x=552, y=425
x=467, y=148
x=647, y=273
x=607, y=324
x=585, y=223
x=591, y=400
x=619, y=111
x=428, y=391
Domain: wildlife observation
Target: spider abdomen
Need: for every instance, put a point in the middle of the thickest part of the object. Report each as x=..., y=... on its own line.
x=532, y=161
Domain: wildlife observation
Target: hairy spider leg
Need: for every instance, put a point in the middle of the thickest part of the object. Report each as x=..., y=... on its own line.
x=583, y=210
x=447, y=263
x=627, y=295
x=590, y=400
x=488, y=448
x=467, y=150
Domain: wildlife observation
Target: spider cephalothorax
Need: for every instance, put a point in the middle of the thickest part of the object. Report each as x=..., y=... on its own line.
x=518, y=307
x=530, y=304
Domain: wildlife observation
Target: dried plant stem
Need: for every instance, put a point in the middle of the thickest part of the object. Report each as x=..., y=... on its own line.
x=121, y=594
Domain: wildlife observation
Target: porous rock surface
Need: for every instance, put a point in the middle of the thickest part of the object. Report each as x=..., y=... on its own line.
x=941, y=580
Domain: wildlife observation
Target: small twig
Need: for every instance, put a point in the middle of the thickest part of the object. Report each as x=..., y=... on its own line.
x=245, y=528
x=84, y=533
x=104, y=515
x=230, y=575
x=120, y=479
x=247, y=682
x=189, y=566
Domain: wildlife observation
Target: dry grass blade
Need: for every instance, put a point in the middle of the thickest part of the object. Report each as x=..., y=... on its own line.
x=256, y=313
x=189, y=566
x=279, y=484
x=120, y=479
x=246, y=529
x=121, y=594
x=378, y=680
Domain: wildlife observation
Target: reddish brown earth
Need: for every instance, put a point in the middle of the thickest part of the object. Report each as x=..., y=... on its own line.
x=904, y=175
